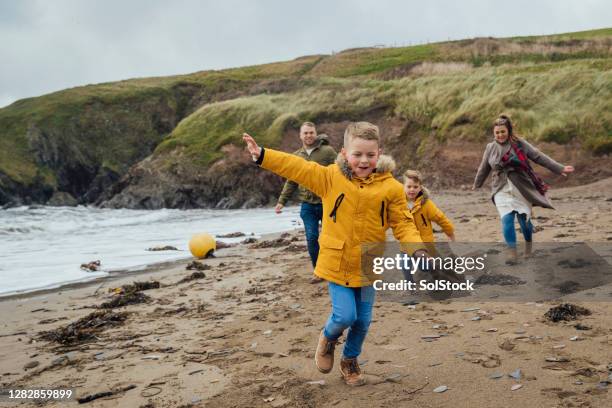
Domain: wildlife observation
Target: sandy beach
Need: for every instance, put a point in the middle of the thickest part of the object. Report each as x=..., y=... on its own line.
x=244, y=335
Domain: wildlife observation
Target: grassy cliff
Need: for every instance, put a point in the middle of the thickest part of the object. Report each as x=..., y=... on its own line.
x=82, y=140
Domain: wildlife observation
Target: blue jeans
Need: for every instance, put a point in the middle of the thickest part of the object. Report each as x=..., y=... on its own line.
x=351, y=309
x=311, y=215
x=509, y=231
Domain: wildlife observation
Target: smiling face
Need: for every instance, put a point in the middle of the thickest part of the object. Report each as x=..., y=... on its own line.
x=308, y=135
x=412, y=188
x=501, y=133
x=361, y=155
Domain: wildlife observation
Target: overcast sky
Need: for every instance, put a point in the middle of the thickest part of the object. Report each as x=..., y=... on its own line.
x=48, y=45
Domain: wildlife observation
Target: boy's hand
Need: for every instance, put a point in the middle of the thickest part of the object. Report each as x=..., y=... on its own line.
x=420, y=252
x=279, y=208
x=251, y=146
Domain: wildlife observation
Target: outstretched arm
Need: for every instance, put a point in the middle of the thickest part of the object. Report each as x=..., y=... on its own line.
x=288, y=190
x=310, y=174
x=483, y=170
x=543, y=160
x=437, y=216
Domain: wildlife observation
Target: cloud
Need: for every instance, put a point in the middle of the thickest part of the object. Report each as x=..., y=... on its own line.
x=48, y=46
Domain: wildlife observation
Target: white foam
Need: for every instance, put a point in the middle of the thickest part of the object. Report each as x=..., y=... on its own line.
x=44, y=247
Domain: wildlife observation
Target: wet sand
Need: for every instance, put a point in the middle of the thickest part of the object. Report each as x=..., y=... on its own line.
x=245, y=334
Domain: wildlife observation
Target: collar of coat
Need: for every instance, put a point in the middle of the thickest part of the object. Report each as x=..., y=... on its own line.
x=322, y=140
x=420, y=200
x=384, y=167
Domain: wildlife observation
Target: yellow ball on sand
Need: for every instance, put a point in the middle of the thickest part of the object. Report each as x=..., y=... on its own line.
x=201, y=245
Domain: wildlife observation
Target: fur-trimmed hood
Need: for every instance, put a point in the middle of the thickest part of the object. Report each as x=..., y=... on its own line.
x=425, y=213
x=385, y=164
x=420, y=200
x=424, y=195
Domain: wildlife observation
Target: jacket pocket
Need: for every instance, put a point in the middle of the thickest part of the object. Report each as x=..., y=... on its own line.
x=330, y=252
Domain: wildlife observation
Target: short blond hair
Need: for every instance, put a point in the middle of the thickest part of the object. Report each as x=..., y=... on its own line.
x=413, y=175
x=361, y=130
x=308, y=124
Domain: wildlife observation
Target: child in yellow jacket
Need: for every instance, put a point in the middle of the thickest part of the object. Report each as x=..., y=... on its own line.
x=423, y=209
x=361, y=200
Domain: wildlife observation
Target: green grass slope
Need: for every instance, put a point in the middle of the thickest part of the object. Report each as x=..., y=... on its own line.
x=557, y=87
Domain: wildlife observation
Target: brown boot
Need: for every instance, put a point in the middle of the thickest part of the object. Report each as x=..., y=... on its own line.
x=511, y=256
x=351, y=373
x=315, y=279
x=324, y=356
x=528, y=249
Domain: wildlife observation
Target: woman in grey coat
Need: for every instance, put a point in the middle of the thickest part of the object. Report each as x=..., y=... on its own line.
x=515, y=186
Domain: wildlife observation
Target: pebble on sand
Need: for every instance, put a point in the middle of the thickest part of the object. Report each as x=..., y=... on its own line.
x=440, y=389
x=516, y=374
x=516, y=387
x=30, y=365
x=395, y=378
x=557, y=359
x=507, y=345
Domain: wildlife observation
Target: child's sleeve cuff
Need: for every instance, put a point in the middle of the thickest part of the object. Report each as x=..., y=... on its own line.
x=261, y=157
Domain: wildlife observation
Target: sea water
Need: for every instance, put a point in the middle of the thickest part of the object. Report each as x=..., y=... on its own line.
x=43, y=247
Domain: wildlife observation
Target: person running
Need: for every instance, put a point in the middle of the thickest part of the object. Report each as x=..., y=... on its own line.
x=314, y=148
x=353, y=191
x=424, y=211
x=515, y=186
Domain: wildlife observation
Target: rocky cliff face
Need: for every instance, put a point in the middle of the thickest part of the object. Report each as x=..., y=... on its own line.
x=87, y=153
x=233, y=182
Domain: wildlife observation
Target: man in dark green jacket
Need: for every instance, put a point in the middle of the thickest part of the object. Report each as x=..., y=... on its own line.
x=314, y=148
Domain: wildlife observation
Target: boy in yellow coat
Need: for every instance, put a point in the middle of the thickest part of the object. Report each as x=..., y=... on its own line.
x=361, y=200
x=423, y=209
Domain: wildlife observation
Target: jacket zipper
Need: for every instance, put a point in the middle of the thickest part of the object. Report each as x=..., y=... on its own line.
x=387, y=217
x=336, y=206
x=382, y=213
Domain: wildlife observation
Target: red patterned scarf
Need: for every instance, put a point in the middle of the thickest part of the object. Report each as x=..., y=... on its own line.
x=516, y=157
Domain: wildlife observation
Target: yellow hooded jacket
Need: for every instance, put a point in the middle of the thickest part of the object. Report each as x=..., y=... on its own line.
x=356, y=211
x=425, y=212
